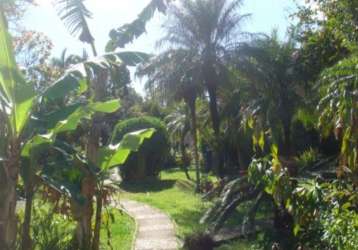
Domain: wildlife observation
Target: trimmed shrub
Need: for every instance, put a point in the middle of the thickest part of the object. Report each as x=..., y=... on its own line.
x=153, y=154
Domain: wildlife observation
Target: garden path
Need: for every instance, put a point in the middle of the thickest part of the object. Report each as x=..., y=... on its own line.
x=155, y=230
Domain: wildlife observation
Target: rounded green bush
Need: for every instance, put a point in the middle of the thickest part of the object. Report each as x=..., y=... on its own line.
x=152, y=155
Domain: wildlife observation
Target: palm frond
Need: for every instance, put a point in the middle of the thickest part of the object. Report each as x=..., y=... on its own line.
x=130, y=31
x=74, y=14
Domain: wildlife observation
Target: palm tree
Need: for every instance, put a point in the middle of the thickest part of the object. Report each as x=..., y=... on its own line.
x=269, y=67
x=339, y=111
x=178, y=124
x=210, y=28
x=65, y=61
x=174, y=74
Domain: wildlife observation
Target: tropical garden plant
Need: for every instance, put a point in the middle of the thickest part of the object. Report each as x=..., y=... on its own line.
x=270, y=123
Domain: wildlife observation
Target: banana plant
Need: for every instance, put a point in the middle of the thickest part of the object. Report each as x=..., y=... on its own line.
x=39, y=142
x=67, y=118
x=74, y=14
x=62, y=167
x=16, y=102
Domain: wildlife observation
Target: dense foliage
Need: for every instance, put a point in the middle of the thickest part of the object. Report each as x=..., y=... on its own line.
x=270, y=124
x=152, y=156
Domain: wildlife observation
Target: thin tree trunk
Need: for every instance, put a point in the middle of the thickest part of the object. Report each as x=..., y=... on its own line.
x=184, y=158
x=93, y=146
x=7, y=217
x=8, y=197
x=185, y=169
x=84, y=214
x=214, y=113
x=211, y=85
x=97, y=230
x=26, y=238
x=195, y=139
x=93, y=47
x=215, y=118
x=286, y=111
x=283, y=223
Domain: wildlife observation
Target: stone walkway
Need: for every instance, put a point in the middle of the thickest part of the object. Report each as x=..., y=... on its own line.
x=155, y=230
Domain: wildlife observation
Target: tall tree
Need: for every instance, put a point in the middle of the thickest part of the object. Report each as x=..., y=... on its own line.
x=268, y=64
x=178, y=124
x=209, y=27
x=74, y=14
x=175, y=74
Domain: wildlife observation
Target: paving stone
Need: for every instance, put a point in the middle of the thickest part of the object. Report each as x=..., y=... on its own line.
x=155, y=244
x=155, y=230
x=155, y=234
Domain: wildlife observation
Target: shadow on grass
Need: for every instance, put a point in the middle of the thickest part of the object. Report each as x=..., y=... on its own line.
x=188, y=220
x=152, y=185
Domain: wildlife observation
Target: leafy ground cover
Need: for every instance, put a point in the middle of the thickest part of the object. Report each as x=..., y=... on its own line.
x=54, y=231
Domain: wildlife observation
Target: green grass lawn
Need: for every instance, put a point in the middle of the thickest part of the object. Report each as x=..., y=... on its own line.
x=173, y=194
x=122, y=231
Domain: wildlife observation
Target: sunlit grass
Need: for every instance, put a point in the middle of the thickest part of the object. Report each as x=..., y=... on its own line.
x=122, y=231
x=173, y=194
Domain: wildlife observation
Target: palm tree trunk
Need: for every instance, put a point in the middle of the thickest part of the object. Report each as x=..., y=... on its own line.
x=184, y=157
x=214, y=113
x=8, y=198
x=195, y=139
x=215, y=118
x=287, y=139
x=94, y=50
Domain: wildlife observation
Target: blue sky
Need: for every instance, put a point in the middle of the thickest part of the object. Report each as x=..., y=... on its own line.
x=108, y=14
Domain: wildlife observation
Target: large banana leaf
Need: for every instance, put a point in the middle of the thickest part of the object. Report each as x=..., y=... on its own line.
x=129, y=58
x=73, y=80
x=115, y=155
x=76, y=78
x=16, y=95
x=36, y=142
x=85, y=112
x=62, y=173
x=70, y=123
